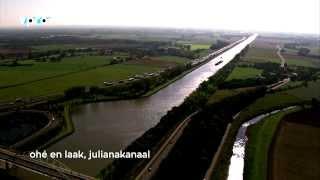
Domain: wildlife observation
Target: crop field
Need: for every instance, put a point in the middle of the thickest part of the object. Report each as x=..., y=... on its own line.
x=295, y=151
x=307, y=93
x=31, y=70
x=244, y=73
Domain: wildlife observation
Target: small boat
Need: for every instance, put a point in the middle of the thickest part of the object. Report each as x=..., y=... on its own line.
x=219, y=62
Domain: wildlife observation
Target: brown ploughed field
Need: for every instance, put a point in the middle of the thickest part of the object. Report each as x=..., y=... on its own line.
x=295, y=152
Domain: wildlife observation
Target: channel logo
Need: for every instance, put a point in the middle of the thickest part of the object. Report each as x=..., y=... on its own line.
x=34, y=20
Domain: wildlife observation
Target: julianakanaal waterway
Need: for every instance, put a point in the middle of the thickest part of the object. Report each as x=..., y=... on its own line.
x=111, y=126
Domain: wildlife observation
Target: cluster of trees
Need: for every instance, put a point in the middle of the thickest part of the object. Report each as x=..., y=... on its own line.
x=17, y=125
x=304, y=73
x=303, y=51
x=74, y=92
x=271, y=73
x=149, y=140
x=57, y=55
x=219, y=44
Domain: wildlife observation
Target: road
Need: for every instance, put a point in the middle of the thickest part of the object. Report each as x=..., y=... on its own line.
x=216, y=52
x=150, y=169
x=40, y=167
x=283, y=60
x=279, y=84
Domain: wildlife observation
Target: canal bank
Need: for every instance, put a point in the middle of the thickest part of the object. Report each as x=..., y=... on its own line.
x=237, y=160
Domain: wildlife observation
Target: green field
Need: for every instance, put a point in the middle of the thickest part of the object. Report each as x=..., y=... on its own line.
x=260, y=137
x=31, y=70
x=262, y=55
x=224, y=93
x=57, y=85
x=200, y=46
x=244, y=73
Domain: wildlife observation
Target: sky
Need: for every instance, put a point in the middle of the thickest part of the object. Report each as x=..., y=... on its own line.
x=301, y=16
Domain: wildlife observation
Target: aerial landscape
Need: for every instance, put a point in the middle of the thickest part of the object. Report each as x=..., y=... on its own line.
x=118, y=97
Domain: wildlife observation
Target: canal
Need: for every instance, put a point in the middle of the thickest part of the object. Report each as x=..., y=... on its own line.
x=111, y=126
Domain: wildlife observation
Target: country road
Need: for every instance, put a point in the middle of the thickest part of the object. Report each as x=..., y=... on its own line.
x=150, y=169
x=283, y=60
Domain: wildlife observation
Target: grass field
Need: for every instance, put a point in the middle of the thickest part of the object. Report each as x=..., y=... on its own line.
x=57, y=85
x=260, y=137
x=295, y=149
x=244, y=73
x=307, y=93
x=31, y=70
x=223, y=93
x=200, y=46
x=293, y=59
